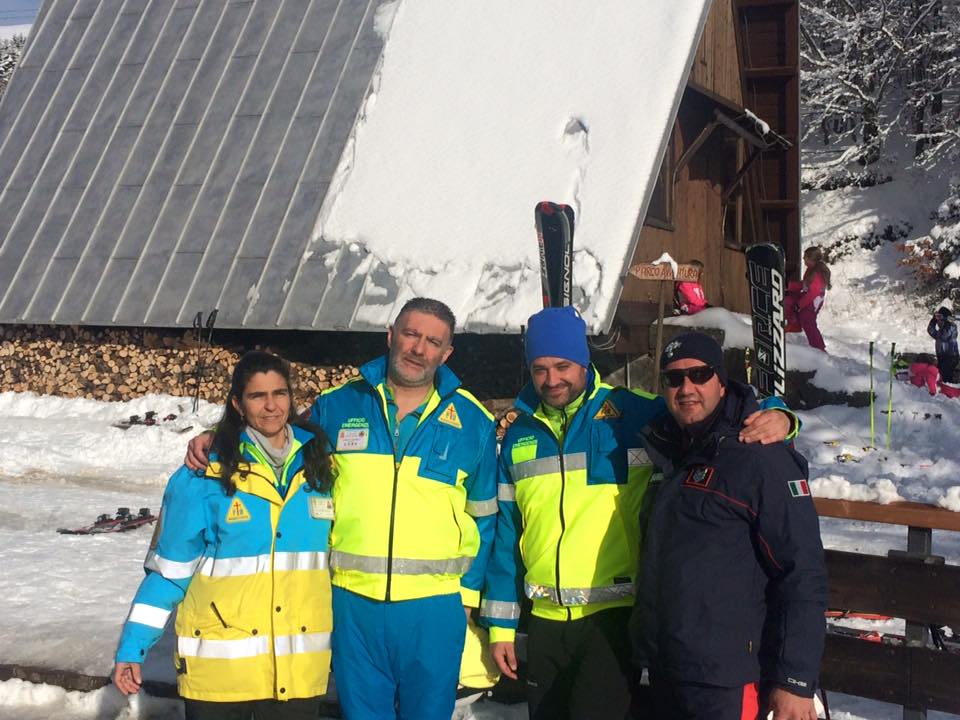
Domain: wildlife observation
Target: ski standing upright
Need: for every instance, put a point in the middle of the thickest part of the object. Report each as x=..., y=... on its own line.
x=765, y=274
x=555, y=224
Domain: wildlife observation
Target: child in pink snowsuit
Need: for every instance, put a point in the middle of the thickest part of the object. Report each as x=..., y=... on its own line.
x=689, y=296
x=801, y=305
x=923, y=372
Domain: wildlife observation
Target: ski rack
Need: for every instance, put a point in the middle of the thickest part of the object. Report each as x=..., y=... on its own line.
x=915, y=585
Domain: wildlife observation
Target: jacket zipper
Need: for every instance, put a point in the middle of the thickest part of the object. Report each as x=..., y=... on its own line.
x=563, y=485
x=393, y=499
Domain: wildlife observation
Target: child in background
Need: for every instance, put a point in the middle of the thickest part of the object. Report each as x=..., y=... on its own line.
x=942, y=329
x=689, y=297
x=924, y=372
x=802, y=304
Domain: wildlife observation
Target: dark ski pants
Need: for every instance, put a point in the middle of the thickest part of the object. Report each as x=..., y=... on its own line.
x=580, y=669
x=305, y=709
x=948, y=367
x=693, y=701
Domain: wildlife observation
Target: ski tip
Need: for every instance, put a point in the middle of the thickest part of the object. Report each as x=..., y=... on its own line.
x=546, y=207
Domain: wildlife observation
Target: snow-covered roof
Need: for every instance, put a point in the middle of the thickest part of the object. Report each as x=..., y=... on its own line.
x=306, y=164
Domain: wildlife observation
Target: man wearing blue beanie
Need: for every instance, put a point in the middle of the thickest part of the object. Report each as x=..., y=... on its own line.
x=572, y=477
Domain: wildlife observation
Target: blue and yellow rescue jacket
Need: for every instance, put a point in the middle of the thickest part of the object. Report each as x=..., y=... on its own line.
x=568, y=531
x=421, y=524
x=568, y=528
x=249, y=573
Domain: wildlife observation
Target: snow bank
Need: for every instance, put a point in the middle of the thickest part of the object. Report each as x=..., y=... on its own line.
x=76, y=437
x=27, y=701
x=414, y=190
x=878, y=490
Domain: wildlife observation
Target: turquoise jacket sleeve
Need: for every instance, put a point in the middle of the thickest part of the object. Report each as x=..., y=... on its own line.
x=775, y=403
x=169, y=566
x=482, y=506
x=500, y=608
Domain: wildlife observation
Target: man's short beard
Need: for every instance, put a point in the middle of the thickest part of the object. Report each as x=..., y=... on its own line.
x=397, y=378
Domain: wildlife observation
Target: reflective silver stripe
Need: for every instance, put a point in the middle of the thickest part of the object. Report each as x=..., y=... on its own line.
x=506, y=492
x=340, y=560
x=482, y=508
x=637, y=457
x=532, y=468
x=150, y=615
x=300, y=561
x=500, y=609
x=223, y=649
x=548, y=465
x=579, y=596
x=235, y=566
x=303, y=643
x=171, y=569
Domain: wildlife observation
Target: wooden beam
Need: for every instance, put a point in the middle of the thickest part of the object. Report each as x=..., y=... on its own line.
x=895, y=586
x=902, y=675
x=899, y=513
x=787, y=72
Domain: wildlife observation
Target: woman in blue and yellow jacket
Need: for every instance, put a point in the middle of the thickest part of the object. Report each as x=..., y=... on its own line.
x=242, y=550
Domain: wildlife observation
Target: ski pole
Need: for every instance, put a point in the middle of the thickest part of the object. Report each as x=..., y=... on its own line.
x=211, y=319
x=893, y=348
x=872, y=421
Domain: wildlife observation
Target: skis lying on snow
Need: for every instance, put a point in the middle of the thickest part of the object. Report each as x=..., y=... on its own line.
x=555, y=224
x=123, y=521
x=765, y=274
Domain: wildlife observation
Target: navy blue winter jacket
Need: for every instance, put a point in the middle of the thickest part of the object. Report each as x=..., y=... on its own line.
x=946, y=336
x=732, y=582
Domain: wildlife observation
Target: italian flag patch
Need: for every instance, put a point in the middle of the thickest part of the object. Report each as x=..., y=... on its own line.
x=799, y=488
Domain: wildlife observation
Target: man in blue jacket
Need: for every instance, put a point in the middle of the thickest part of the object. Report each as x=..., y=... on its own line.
x=732, y=585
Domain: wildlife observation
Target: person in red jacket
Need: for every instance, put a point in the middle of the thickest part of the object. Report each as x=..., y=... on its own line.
x=689, y=297
x=802, y=304
x=924, y=372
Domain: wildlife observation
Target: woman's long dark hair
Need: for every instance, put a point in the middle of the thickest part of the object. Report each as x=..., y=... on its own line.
x=317, y=467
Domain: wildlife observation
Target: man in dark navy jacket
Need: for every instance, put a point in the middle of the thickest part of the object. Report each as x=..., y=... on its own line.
x=732, y=584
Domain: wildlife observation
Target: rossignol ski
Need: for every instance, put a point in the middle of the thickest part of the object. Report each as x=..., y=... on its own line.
x=765, y=274
x=555, y=225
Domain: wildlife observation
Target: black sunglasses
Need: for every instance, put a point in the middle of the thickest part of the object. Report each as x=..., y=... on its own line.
x=698, y=375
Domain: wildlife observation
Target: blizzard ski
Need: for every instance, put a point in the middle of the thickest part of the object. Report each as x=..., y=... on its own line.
x=123, y=521
x=765, y=275
x=555, y=225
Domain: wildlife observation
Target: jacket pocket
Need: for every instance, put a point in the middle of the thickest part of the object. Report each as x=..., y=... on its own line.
x=607, y=458
x=440, y=462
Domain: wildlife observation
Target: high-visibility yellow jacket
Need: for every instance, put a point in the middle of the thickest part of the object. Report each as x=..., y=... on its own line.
x=420, y=525
x=249, y=573
x=570, y=489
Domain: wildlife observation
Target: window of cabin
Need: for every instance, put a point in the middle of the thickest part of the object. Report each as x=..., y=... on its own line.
x=733, y=201
x=660, y=211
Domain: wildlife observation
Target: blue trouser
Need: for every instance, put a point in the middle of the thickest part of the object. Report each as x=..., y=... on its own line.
x=397, y=659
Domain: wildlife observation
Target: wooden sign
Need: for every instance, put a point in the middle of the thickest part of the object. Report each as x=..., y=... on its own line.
x=663, y=271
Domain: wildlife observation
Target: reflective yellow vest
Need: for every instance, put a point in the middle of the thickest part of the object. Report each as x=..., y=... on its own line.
x=249, y=573
x=422, y=525
x=570, y=504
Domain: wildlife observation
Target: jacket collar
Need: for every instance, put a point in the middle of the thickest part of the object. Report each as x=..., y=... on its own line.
x=375, y=373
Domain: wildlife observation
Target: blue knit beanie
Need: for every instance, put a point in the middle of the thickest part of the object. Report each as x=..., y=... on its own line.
x=696, y=346
x=557, y=332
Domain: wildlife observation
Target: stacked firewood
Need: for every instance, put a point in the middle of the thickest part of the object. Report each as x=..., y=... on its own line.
x=122, y=364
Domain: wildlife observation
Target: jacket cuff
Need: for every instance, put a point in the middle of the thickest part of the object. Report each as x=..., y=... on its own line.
x=470, y=598
x=502, y=634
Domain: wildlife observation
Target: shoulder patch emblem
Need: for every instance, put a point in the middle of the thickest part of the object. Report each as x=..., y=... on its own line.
x=700, y=476
x=799, y=488
x=607, y=411
x=449, y=417
x=238, y=511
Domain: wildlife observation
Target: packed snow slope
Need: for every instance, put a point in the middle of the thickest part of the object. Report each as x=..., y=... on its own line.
x=473, y=118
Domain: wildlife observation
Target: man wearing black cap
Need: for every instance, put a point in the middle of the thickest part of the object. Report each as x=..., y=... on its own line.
x=572, y=476
x=942, y=329
x=732, y=583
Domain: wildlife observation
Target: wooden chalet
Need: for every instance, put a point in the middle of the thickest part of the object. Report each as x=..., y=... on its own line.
x=724, y=184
